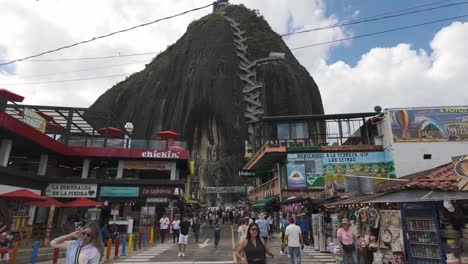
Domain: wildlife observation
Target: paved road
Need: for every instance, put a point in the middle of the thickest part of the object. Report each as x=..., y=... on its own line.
x=204, y=251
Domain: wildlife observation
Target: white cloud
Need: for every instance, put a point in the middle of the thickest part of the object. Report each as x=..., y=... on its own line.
x=30, y=27
x=390, y=77
x=400, y=76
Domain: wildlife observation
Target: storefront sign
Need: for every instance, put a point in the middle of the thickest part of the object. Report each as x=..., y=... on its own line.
x=296, y=176
x=439, y=124
x=162, y=154
x=246, y=173
x=112, y=191
x=147, y=165
x=314, y=170
x=157, y=200
x=159, y=191
x=226, y=189
x=33, y=119
x=71, y=190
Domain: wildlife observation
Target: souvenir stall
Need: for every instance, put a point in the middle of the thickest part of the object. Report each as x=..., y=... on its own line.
x=378, y=229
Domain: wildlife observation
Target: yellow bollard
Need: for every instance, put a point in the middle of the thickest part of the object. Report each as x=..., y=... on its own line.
x=130, y=242
x=14, y=252
x=152, y=235
x=108, y=251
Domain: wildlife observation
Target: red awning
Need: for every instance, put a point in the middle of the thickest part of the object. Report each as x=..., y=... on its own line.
x=48, y=203
x=82, y=202
x=53, y=128
x=10, y=96
x=22, y=195
x=110, y=132
x=47, y=118
x=168, y=134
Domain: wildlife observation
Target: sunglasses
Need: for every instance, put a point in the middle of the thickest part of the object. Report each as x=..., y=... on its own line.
x=86, y=234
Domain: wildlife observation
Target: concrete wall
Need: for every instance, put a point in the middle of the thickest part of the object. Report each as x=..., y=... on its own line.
x=408, y=157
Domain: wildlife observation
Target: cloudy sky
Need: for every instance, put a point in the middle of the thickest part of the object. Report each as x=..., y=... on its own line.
x=420, y=66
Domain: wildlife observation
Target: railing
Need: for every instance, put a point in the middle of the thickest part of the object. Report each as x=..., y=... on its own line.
x=126, y=143
x=314, y=141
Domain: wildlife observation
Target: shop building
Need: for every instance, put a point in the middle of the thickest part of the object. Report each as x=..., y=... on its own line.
x=311, y=159
x=420, y=219
x=422, y=138
x=69, y=153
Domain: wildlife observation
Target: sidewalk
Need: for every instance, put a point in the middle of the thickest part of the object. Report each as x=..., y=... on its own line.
x=63, y=260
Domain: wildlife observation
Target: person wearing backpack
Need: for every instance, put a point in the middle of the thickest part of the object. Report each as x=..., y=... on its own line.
x=283, y=224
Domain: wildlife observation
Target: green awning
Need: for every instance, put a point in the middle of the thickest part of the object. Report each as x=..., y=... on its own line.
x=264, y=202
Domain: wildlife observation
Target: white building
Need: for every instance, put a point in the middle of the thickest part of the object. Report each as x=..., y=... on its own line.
x=423, y=138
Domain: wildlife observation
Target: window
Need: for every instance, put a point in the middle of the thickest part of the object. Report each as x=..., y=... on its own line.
x=427, y=156
x=292, y=130
x=283, y=131
x=299, y=131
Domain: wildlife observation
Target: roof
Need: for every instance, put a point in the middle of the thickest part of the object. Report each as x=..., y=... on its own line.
x=264, y=202
x=441, y=178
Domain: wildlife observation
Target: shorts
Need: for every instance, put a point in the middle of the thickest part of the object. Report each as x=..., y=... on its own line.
x=183, y=239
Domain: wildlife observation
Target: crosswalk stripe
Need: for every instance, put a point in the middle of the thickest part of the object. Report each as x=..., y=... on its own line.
x=182, y=262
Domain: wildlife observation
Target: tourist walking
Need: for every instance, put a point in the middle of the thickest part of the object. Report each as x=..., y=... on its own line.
x=196, y=227
x=264, y=227
x=283, y=224
x=163, y=226
x=217, y=233
x=183, y=237
x=175, y=229
x=293, y=237
x=87, y=248
x=270, y=223
x=252, y=249
x=304, y=224
x=346, y=237
x=242, y=230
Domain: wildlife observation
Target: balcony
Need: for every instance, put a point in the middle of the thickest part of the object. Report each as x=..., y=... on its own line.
x=84, y=128
x=102, y=142
x=314, y=131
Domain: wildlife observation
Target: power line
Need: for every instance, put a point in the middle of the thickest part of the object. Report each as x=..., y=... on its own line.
x=70, y=80
x=349, y=22
x=93, y=58
x=107, y=35
x=82, y=70
x=296, y=48
x=378, y=33
x=359, y=21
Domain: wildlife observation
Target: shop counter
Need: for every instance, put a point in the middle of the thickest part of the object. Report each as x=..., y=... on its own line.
x=128, y=223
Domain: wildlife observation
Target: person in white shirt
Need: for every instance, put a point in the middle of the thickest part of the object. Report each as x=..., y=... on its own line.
x=270, y=222
x=163, y=226
x=293, y=237
x=175, y=229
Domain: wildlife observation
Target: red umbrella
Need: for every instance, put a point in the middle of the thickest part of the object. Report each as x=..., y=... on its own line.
x=82, y=202
x=168, y=135
x=110, y=132
x=11, y=96
x=48, y=203
x=22, y=195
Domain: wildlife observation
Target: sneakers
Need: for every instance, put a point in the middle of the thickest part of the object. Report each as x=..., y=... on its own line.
x=180, y=254
x=183, y=254
x=281, y=252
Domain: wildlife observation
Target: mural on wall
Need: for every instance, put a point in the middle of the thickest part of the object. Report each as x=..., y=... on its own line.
x=339, y=168
x=439, y=124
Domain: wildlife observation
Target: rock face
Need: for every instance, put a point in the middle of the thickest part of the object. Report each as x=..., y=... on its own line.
x=197, y=87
